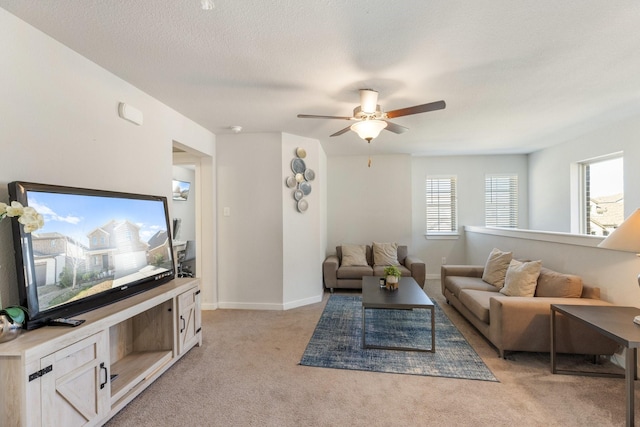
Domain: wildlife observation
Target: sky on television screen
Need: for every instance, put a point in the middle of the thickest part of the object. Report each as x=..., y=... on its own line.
x=78, y=215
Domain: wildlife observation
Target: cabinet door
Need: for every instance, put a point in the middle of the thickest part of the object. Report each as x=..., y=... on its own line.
x=189, y=324
x=75, y=386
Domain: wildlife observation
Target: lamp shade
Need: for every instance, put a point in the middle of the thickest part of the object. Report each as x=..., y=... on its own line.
x=626, y=237
x=368, y=129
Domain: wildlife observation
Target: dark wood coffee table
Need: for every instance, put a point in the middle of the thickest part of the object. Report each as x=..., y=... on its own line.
x=409, y=295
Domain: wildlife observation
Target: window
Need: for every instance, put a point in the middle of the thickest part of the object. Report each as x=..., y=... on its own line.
x=441, y=205
x=501, y=201
x=602, y=195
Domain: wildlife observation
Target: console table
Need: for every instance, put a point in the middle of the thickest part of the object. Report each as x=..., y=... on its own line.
x=614, y=322
x=61, y=376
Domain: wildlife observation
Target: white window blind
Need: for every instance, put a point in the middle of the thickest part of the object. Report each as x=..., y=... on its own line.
x=441, y=205
x=501, y=201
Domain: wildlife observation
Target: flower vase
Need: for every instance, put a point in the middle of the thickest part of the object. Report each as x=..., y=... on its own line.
x=8, y=330
x=392, y=283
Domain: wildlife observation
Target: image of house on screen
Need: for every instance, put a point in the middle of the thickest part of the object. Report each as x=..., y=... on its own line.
x=53, y=252
x=115, y=249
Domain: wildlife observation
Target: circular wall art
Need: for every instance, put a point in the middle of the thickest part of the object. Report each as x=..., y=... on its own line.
x=305, y=187
x=298, y=166
x=302, y=205
x=300, y=180
x=291, y=182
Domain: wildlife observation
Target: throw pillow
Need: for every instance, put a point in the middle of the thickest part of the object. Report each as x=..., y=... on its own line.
x=354, y=255
x=558, y=285
x=521, y=278
x=495, y=269
x=385, y=254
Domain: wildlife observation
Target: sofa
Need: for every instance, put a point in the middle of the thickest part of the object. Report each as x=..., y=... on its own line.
x=513, y=322
x=350, y=263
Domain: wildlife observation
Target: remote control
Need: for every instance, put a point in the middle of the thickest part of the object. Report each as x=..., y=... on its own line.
x=65, y=322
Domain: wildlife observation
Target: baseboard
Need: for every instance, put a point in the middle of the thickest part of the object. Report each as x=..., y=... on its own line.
x=302, y=302
x=209, y=306
x=266, y=306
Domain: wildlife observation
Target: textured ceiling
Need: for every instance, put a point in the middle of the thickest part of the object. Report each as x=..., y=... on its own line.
x=516, y=75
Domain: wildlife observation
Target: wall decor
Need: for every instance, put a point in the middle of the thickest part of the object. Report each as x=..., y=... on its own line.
x=300, y=180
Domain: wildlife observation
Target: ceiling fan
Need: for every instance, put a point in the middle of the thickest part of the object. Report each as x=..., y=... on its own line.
x=371, y=120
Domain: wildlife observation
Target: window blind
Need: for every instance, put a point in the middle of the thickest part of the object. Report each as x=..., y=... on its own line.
x=501, y=201
x=441, y=205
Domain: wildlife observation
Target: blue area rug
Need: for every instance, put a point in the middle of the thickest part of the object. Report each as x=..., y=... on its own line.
x=337, y=342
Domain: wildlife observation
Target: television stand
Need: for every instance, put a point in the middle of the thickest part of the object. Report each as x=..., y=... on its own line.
x=86, y=374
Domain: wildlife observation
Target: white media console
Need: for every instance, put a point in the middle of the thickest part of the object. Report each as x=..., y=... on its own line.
x=84, y=375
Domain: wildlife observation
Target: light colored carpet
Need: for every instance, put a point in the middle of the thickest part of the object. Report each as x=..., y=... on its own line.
x=337, y=342
x=247, y=374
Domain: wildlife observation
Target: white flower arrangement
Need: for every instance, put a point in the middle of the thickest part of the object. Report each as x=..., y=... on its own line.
x=27, y=216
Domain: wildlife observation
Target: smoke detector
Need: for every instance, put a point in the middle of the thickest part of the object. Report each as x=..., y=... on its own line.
x=236, y=129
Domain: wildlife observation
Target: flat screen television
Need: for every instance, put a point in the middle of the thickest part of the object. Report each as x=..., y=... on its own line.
x=96, y=247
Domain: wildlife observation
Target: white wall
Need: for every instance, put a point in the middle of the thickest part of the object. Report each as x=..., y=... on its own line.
x=550, y=174
x=250, y=238
x=470, y=172
x=367, y=204
x=303, y=250
x=270, y=256
x=60, y=126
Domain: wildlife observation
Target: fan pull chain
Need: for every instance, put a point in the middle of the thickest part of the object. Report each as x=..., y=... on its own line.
x=369, y=143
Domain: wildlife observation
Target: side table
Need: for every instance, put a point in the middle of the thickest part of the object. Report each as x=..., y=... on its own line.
x=615, y=323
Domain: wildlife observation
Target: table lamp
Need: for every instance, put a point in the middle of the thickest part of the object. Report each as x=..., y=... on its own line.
x=626, y=238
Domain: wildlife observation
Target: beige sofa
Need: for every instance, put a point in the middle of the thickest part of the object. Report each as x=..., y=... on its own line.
x=516, y=323
x=337, y=275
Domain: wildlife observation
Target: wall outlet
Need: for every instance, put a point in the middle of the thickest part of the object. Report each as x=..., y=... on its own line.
x=444, y=260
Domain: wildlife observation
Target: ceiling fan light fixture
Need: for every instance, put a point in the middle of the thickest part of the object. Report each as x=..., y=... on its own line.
x=368, y=129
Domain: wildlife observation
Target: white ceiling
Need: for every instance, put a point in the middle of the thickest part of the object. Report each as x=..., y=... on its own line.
x=517, y=75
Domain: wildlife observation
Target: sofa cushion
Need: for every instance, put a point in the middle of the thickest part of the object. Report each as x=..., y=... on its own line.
x=354, y=272
x=495, y=269
x=457, y=283
x=385, y=254
x=354, y=255
x=521, y=278
x=368, y=251
x=558, y=285
x=477, y=302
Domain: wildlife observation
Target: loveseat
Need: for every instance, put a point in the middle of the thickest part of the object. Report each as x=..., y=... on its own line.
x=350, y=263
x=522, y=323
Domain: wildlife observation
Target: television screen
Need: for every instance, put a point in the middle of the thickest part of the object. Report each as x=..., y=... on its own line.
x=180, y=190
x=95, y=248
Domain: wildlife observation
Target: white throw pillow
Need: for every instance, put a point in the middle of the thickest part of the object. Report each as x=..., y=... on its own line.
x=495, y=269
x=521, y=278
x=353, y=255
x=385, y=254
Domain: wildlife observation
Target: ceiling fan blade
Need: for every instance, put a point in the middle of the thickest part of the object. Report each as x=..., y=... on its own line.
x=368, y=100
x=340, y=132
x=312, y=116
x=432, y=106
x=395, y=128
